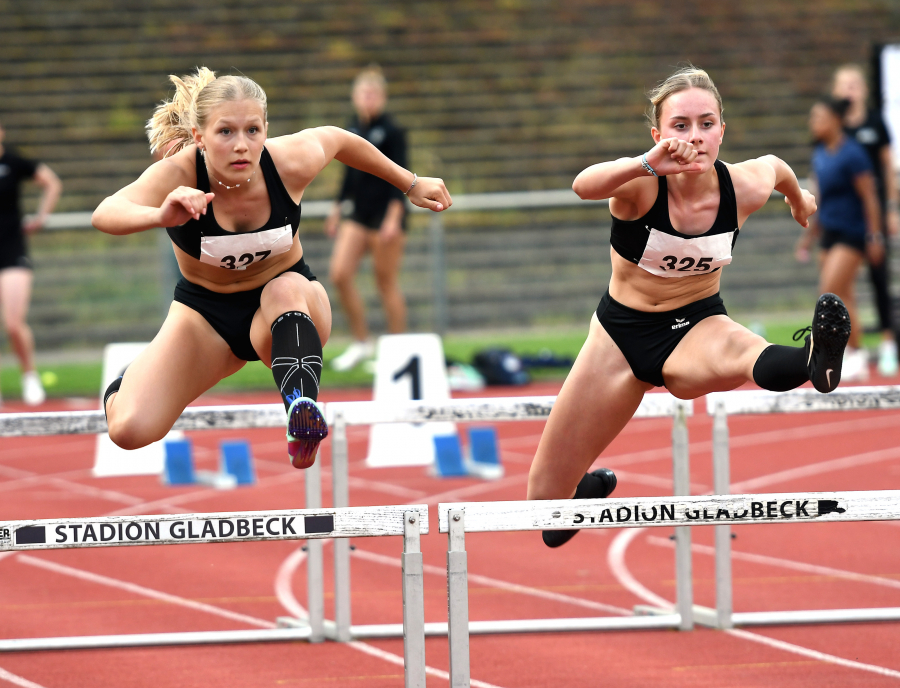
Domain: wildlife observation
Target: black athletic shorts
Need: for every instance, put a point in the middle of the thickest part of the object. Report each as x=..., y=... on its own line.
x=231, y=314
x=648, y=339
x=13, y=253
x=830, y=237
x=371, y=219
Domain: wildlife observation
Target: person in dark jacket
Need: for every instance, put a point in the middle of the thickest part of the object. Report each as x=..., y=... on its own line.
x=864, y=124
x=15, y=266
x=375, y=222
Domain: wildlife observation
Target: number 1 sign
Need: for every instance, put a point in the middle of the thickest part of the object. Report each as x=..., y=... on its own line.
x=408, y=367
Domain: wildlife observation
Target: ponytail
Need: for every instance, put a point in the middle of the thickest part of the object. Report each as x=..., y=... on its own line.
x=172, y=120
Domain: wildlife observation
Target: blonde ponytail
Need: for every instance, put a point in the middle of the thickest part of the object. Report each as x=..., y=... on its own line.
x=195, y=95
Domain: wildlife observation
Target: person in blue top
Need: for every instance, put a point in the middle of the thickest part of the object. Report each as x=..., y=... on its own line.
x=848, y=221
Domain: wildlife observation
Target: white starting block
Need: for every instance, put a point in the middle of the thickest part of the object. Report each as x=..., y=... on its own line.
x=408, y=367
x=110, y=459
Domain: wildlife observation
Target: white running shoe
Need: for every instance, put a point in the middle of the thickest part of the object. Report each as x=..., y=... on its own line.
x=887, y=358
x=32, y=389
x=355, y=354
x=856, y=365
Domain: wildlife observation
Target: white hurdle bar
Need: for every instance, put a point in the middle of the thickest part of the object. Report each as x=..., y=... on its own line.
x=490, y=517
x=490, y=409
x=409, y=521
x=722, y=404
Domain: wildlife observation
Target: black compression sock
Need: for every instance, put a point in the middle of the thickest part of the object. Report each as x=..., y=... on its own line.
x=781, y=368
x=296, y=357
x=112, y=389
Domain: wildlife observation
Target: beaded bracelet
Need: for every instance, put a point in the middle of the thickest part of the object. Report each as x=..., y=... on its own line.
x=646, y=165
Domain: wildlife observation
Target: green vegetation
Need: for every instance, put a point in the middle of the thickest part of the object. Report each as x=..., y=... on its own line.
x=83, y=379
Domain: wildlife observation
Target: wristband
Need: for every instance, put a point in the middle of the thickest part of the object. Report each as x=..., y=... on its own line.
x=646, y=165
x=411, y=186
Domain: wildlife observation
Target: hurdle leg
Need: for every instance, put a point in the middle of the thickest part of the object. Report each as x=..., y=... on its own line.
x=413, y=604
x=722, y=486
x=315, y=577
x=340, y=499
x=681, y=478
x=458, y=601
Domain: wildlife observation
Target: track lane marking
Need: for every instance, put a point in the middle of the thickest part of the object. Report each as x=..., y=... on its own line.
x=17, y=680
x=136, y=589
x=785, y=563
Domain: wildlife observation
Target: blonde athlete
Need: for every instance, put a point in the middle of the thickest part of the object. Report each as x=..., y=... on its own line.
x=677, y=211
x=230, y=200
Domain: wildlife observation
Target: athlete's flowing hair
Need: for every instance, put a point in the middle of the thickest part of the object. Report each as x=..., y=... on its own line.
x=169, y=129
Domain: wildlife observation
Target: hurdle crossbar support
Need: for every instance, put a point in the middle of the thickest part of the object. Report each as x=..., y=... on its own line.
x=340, y=489
x=722, y=486
x=413, y=603
x=681, y=483
x=458, y=599
x=315, y=570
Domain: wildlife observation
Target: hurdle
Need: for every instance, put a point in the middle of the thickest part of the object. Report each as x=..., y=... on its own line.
x=457, y=519
x=408, y=521
x=720, y=405
x=343, y=414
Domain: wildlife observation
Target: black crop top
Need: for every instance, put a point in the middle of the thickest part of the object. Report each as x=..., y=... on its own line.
x=655, y=245
x=205, y=240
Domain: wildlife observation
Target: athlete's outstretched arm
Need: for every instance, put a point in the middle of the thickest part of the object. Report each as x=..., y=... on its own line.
x=612, y=179
x=161, y=197
x=309, y=151
x=755, y=180
x=801, y=201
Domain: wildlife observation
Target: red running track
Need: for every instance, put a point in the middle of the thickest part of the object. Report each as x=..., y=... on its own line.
x=512, y=575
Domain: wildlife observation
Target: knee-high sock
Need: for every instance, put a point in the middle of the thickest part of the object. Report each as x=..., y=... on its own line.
x=296, y=356
x=781, y=368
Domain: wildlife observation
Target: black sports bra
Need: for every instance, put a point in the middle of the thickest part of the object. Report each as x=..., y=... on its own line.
x=655, y=245
x=206, y=241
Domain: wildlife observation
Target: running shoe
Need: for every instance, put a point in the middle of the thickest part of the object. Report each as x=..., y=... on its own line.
x=826, y=341
x=306, y=428
x=594, y=485
x=32, y=390
x=353, y=355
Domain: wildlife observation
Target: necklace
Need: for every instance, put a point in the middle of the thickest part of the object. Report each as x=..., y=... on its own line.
x=226, y=185
x=228, y=188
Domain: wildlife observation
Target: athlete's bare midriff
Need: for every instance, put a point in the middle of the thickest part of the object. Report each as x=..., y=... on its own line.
x=226, y=281
x=636, y=288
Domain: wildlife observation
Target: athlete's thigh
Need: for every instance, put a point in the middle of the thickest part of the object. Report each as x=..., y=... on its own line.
x=289, y=292
x=598, y=398
x=185, y=359
x=350, y=246
x=838, y=269
x=387, y=255
x=717, y=354
x=15, y=293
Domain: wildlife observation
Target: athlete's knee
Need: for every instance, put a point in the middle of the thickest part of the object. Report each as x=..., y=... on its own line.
x=286, y=293
x=340, y=276
x=130, y=429
x=387, y=281
x=16, y=328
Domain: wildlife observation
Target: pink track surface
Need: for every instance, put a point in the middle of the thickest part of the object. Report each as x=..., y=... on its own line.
x=248, y=585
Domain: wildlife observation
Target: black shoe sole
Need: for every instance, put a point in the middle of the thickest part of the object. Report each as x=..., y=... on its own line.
x=557, y=538
x=828, y=339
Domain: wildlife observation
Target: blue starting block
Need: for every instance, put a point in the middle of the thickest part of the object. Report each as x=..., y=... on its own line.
x=448, y=457
x=484, y=453
x=179, y=466
x=238, y=461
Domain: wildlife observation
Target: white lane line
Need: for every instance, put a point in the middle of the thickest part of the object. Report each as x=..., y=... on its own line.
x=17, y=680
x=816, y=468
x=141, y=590
x=812, y=654
x=288, y=600
x=477, y=488
x=615, y=558
x=283, y=587
x=785, y=563
x=499, y=584
x=655, y=481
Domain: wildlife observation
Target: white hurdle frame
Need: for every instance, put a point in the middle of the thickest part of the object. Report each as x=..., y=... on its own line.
x=492, y=409
x=409, y=521
x=720, y=405
x=478, y=517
